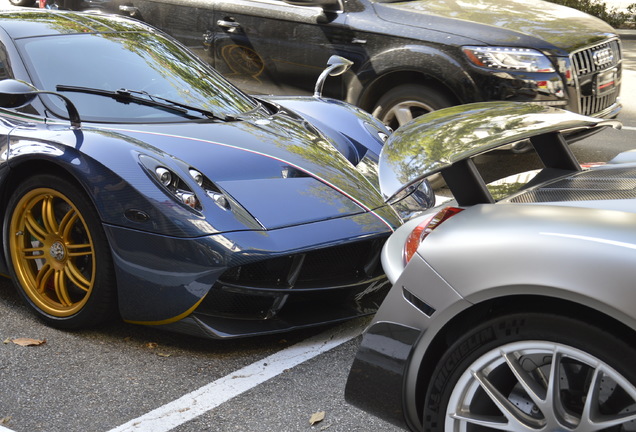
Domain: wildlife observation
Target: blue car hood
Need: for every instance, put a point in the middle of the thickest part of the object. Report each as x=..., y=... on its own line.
x=497, y=22
x=281, y=170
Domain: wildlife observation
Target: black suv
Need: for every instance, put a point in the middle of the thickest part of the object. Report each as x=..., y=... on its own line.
x=409, y=57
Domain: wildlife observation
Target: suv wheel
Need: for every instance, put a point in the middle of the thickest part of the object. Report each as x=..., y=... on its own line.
x=406, y=102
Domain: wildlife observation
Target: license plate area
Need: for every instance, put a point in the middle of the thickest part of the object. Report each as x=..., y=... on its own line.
x=605, y=82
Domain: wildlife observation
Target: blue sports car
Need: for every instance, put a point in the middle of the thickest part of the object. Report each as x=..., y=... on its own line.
x=135, y=180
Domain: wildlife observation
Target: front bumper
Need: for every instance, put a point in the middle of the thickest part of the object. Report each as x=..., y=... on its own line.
x=587, y=82
x=251, y=282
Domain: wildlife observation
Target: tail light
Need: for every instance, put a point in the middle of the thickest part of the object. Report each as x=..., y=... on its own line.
x=425, y=228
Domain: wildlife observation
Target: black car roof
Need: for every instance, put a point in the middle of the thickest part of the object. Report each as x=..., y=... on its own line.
x=43, y=22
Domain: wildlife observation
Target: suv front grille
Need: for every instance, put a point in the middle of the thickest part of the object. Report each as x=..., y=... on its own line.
x=597, y=58
x=591, y=105
x=590, y=62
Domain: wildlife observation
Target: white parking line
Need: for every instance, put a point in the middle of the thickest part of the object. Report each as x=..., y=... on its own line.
x=222, y=390
x=630, y=128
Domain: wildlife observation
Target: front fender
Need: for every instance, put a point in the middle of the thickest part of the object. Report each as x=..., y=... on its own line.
x=107, y=167
x=572, y=253
x=438, y=64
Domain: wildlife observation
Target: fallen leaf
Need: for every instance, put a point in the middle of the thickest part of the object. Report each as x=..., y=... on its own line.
x=152, y=345
x=163, y=355
x=317, y=417
x=28, y=341
x=5, y=420
x=7, y=340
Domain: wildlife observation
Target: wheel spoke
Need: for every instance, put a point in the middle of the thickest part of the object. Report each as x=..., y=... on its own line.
x=403, y=114
x=34, y=227
x=48, y=215
x=554, y=406
x=43, y=277
x=590, y=409
x=61, y=289
x=517, y=420
x=76, y=250
x=489, y=422
x=66, y=224
x=607, y=422
x=592, y=419
x=535, y=391
x=76, y=277
x=30, y=253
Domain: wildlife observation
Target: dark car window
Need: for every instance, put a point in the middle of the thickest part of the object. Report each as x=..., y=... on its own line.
x=5, y=71
x=135, y=61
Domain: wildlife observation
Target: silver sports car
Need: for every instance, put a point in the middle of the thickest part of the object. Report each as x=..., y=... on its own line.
x=514, y=307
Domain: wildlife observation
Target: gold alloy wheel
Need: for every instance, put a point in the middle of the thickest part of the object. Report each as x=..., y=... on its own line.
x=52, y=252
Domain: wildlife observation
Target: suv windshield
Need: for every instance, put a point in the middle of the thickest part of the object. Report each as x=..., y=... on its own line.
x=137, y=61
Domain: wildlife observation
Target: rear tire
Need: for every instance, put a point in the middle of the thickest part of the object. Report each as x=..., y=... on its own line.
x=58, y=254
x=501, y=375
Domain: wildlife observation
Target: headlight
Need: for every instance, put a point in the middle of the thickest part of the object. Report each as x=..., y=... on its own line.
x=508, y=58
x=196, y=176
x=164, y=176
x=180, y=189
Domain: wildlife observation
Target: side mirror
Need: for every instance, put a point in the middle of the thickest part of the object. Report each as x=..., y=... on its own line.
x=16, y=93
x=336, y=65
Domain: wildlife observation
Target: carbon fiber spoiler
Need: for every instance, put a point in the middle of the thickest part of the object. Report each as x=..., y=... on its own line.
x=446, y=141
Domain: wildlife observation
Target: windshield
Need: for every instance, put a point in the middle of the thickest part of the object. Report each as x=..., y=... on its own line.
x=136, y=61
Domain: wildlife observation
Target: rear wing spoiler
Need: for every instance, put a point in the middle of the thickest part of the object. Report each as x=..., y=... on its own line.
x=446, y=141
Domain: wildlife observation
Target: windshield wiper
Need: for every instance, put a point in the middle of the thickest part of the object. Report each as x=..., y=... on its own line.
x=145, y=98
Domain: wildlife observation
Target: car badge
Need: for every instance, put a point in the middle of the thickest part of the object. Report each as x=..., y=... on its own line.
x=603, y=57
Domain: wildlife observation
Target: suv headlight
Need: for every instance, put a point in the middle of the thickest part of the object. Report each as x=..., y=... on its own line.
x=508, y=58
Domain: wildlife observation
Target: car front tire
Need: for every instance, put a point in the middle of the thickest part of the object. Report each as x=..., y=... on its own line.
x=530, y=372
x=58, y=254
x=408, y=101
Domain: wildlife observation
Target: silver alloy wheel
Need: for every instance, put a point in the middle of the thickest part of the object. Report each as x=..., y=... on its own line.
x=403, y=112
x=540, y=386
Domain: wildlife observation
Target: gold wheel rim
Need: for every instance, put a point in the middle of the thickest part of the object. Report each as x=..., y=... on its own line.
x=52, y=252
